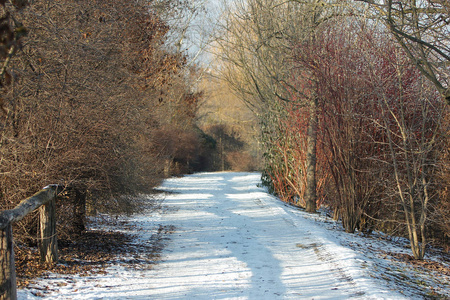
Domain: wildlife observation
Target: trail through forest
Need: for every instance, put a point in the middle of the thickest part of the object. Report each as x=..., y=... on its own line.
x=226, y=238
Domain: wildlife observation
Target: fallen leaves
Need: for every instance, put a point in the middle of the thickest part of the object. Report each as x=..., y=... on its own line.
x=427, y=264
x=90, y=253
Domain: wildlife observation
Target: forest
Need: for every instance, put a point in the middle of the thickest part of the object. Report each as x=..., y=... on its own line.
x=342, y=105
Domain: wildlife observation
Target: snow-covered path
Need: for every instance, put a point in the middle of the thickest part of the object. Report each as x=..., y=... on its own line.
x=232, y=240
x=235, y=241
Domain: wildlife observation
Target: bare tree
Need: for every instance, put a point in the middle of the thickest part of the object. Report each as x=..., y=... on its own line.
x=257, y=47
x=422, y=29
x=411, y=117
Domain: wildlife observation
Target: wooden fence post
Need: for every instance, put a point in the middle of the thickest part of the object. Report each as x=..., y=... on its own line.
x=48, y=245
x=8, y=269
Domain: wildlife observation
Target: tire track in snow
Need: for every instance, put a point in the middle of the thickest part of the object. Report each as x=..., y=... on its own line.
x=321, y=253
x=325, y=256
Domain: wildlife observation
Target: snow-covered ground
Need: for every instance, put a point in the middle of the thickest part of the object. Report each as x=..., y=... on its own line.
x=226, y=238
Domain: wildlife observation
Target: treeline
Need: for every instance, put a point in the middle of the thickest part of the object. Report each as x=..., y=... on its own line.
x=352, y=105
x=95, y=100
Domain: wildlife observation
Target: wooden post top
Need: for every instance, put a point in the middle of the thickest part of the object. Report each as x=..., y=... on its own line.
x=29, y=204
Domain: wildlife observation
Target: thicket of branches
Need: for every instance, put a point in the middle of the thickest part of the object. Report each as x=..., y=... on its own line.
x=350, y=116
x=93, y=99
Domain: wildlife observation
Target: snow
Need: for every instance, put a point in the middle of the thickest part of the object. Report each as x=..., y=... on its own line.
x=232, y=240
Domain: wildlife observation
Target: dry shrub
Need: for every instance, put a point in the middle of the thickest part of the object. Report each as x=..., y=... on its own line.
x=440, y=211
x=85, y=104
x=179, y=148
x=362, y=92
x=241, y=161
x=227, y=150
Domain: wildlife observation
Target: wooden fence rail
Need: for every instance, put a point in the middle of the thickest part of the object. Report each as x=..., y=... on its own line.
x=44, y=200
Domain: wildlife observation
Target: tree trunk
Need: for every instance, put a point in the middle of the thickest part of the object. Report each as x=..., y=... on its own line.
x=311, y=157
x=8, y=270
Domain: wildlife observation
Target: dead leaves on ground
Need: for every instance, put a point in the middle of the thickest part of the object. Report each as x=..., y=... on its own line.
x=90, y=253
x=427, y=264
